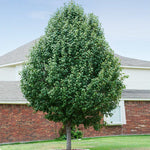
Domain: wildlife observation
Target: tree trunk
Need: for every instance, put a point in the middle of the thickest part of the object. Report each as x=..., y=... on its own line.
x=68, y=131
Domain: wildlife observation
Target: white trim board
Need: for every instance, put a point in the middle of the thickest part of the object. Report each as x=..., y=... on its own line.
x=135, y=67
x=134, y=99
x=26, y=102
x=12, y=64
x=128, y=67
x=14, y=102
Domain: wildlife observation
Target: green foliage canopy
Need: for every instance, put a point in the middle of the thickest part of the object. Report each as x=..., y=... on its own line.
x=72, y=73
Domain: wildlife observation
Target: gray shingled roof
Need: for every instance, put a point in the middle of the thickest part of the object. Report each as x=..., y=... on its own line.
x=126, y=61
x=17, y=55
x=20, y=54
x=136, y=94
x=10, y=91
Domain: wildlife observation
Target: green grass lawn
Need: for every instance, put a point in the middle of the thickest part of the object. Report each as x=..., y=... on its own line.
x=139, y=142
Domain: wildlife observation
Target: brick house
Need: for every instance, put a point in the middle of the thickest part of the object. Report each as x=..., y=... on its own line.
x=18, y=122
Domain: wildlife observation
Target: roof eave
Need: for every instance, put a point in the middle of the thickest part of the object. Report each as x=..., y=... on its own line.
x=134, y=99
x=135, y=67
x=13, y=102
x=12, y=64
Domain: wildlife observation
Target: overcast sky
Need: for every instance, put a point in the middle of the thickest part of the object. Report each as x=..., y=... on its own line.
x=126, y=23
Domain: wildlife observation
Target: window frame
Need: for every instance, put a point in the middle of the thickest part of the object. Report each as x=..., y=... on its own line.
x=122, y=115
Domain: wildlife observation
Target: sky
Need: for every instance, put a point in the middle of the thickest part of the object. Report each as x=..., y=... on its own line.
x=126, y=23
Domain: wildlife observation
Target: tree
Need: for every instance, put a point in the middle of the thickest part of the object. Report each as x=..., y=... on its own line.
x=72, y=74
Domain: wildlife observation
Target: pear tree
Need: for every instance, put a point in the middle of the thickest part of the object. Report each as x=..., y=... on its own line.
x=71, y=73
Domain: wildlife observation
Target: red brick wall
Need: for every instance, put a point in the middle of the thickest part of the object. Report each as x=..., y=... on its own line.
x=137, y=117
x=19, y=123
x=109, y=130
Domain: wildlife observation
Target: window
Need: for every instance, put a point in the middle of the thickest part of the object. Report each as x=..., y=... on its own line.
x=118, y=117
